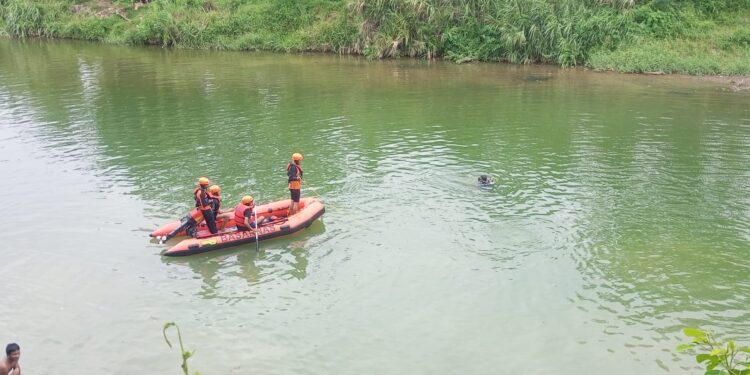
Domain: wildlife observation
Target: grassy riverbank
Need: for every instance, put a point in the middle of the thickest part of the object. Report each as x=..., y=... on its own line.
x=671, y=36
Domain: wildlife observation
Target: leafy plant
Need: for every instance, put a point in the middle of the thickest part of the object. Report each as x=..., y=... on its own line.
x=185, y=354
x=740, y=39
x=718, y=357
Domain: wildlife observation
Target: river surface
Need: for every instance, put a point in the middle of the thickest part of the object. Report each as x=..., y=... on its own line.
x=621, y=214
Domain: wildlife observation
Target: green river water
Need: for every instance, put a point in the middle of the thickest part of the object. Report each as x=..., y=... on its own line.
x=621, y=214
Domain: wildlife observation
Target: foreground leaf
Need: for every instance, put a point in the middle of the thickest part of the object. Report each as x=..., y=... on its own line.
x=694, y=332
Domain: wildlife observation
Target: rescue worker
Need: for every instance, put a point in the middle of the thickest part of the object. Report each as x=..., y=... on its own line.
x=203, y=203
x=214, y=196
x=244, y=214
x=294, y=175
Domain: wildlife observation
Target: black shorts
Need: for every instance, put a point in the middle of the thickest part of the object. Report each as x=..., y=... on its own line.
x=295, y=195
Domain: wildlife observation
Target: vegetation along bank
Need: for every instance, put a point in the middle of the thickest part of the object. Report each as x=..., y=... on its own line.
x=710, y=37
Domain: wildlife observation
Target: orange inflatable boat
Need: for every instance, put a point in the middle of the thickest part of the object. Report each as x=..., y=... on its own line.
x=310, y=210
x=277, y=208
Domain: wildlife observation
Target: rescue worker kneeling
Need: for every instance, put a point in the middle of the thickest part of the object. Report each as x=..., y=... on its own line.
x=244, y=214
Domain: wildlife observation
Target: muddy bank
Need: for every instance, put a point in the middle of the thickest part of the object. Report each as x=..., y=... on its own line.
x=734, y=83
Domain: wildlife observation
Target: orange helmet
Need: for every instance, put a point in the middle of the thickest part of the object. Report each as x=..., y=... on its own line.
x=247, y=200
x=296, y=156
x=214, y=189
x=203, y=181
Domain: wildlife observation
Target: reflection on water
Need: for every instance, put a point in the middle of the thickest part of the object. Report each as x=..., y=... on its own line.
x=234, y=272
x=620, y=212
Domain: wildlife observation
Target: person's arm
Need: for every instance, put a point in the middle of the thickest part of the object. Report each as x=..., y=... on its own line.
x=203, y=199
x=215, y=205
x=199, y=200
x=4, y=370
x=17, y=371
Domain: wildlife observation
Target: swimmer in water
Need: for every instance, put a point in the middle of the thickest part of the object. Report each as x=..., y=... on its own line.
x=486, y=182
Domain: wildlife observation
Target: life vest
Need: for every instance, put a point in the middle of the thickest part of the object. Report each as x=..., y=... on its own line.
x=215, y=202
x=295, y=179
x=239, y=215
x=201, y=199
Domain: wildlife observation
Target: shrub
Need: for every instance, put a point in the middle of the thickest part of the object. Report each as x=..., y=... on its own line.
x=719, y=358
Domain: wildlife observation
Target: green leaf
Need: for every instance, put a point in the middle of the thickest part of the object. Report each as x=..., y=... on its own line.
x=694, y=332
x=718, y=352
x=745, y=349
x=703, y=357
x=715, y=372
x=730, y=346
x=700, y=340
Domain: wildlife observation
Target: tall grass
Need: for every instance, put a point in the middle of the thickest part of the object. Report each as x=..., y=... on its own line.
x=521, y=31
x=30, y=18
x=275, y=25
x=597, y=33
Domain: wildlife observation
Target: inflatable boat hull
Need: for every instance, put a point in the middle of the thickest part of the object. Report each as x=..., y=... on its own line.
x=312, y=210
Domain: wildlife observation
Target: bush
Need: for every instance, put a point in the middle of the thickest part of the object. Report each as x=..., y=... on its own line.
x=719, y=358
x=659, y=23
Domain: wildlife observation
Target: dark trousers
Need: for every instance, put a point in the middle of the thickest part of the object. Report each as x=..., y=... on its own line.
x=295, y=194
x=208, y=215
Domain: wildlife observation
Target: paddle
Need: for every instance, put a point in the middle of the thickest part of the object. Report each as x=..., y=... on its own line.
x=255, y=216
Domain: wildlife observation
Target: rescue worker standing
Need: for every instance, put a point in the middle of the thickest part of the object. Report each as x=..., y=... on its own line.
x=203, y=203
x=294, y=174
x=214, y=196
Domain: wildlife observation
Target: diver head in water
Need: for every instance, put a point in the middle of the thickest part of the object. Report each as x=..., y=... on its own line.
x=483, y=179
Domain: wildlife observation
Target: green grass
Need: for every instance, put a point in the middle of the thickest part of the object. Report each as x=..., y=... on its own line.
x=715, y=47
x=680, y=36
